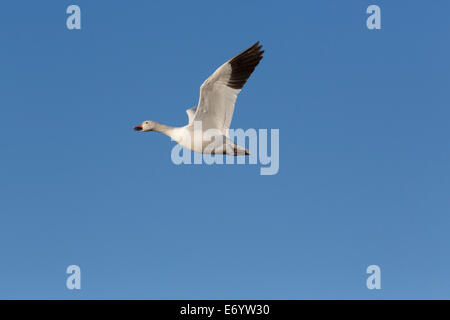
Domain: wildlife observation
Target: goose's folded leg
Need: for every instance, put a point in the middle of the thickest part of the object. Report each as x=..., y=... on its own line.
x=235, y=150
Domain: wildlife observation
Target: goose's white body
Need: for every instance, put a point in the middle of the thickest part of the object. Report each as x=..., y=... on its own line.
x=199, y=141
x=207, y=130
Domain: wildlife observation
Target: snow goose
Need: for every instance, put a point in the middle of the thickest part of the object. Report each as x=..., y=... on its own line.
x=207, y=130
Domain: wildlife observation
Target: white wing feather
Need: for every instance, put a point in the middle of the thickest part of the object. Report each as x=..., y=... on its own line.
x=191, y=112
x=219, y=92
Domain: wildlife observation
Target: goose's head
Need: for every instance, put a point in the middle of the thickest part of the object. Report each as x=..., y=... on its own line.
x=145, y=126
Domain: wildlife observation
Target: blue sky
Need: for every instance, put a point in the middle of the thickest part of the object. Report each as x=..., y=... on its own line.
x=364, y=151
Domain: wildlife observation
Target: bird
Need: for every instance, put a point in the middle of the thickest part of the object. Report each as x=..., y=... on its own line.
x=209, y=121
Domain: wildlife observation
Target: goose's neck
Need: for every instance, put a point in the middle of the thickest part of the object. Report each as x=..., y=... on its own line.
x=167, y=130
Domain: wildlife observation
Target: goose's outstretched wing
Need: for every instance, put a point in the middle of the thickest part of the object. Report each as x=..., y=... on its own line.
x=219, y=92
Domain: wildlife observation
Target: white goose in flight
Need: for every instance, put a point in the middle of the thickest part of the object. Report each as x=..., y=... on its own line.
x=215, y=108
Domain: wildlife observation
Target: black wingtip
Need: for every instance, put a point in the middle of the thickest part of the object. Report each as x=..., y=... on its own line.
x=244, y=64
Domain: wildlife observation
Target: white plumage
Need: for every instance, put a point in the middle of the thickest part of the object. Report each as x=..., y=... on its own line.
x=215, y=108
